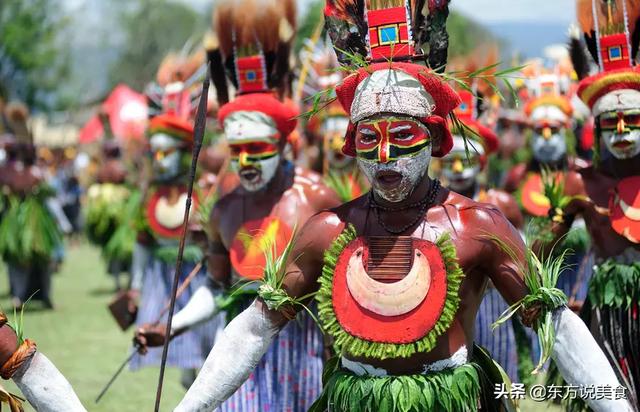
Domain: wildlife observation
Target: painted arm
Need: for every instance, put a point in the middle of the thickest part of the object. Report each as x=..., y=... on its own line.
x=234, y=356
x=44, y=386
x=200, y=308
x=578, y=356
x=202, y=305
x=246, y=339
x=40, y=382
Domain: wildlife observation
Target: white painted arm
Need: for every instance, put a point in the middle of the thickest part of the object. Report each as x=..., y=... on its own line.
x=45, y=388
x=200, y=308
x=55, y=208
x=141, y=255
x=236, y=353
x=581, y=361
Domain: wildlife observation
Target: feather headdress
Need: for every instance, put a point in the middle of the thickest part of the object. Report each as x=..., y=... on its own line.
x=253, y=44
x=379, y=30
x=382, y=39
x=175, y=90
x=611, y=31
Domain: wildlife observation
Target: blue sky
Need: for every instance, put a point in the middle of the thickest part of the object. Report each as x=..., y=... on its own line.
x=491, y=11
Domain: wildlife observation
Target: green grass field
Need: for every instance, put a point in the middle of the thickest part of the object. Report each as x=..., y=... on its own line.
x=84, y=342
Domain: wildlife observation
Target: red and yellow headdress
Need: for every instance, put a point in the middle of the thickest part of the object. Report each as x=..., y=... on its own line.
x=607, y=28
x=388, y=35
x=254, y=45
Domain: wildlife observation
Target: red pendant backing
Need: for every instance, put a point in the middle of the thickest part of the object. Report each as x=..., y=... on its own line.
x=373, y=327
x=627, y=190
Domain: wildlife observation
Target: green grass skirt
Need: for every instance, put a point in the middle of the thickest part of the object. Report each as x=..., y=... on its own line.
x=469, y=387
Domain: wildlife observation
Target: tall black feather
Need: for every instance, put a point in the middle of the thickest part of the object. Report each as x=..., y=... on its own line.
x=579, y=58
x=216, y=70
x=438, y=38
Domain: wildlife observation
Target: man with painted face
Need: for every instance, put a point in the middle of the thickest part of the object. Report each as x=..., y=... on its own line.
x=155, y=252
x=549, y=118
x=273, y=199
x=399, y=272
x=609, y=200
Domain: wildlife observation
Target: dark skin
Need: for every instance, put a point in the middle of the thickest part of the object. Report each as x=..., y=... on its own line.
x=112, y=171
x=467, y=221
x=505, y=203
x=291, y=197
x=8, y=343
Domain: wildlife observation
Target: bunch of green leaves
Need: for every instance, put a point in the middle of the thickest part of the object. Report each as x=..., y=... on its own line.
x=231, y=301
x=554, y=188
x=341, y=184
x=271, y=288
x=169, y=254
x=120, y=244
x=615, y=284
x=541, y=276
x=455, y=390
x=463, y=79
x=105, y=209
x=29, y=234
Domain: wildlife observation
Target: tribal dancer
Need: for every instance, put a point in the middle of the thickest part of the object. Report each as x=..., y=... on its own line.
x=400, y=271
x=155, y=253
x=39, y=380
x=610, y=203
x=274, y=198
x=106, y=206
x=461, y=169
x=553, y=149
x=33, y=221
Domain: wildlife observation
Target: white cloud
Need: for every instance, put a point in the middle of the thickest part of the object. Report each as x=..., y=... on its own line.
x=489, y=11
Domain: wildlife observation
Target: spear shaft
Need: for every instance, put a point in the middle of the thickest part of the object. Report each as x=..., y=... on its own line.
x=201, y=120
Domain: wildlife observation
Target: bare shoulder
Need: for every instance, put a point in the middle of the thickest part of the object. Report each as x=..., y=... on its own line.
x=228, y=203
x=475, y=215
x=309, y=185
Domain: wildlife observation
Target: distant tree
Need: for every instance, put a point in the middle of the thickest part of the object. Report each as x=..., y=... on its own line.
x=151, y=29
x=33, y=60
x=465, y=34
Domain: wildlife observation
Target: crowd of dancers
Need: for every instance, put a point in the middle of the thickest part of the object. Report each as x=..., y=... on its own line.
x=375, y=227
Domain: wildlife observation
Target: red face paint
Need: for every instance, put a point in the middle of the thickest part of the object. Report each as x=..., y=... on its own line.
x=387, y=140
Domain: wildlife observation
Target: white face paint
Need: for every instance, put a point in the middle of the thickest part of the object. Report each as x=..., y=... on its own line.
x=253, y=142
x=256, y=176
x=461, y=173
x=166, y=157
x=620, y=131
x=550, y=145
x=394, y=154
x=412, y=170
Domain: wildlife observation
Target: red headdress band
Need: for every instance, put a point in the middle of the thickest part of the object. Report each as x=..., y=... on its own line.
x=444, y=99
x=284, y=115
